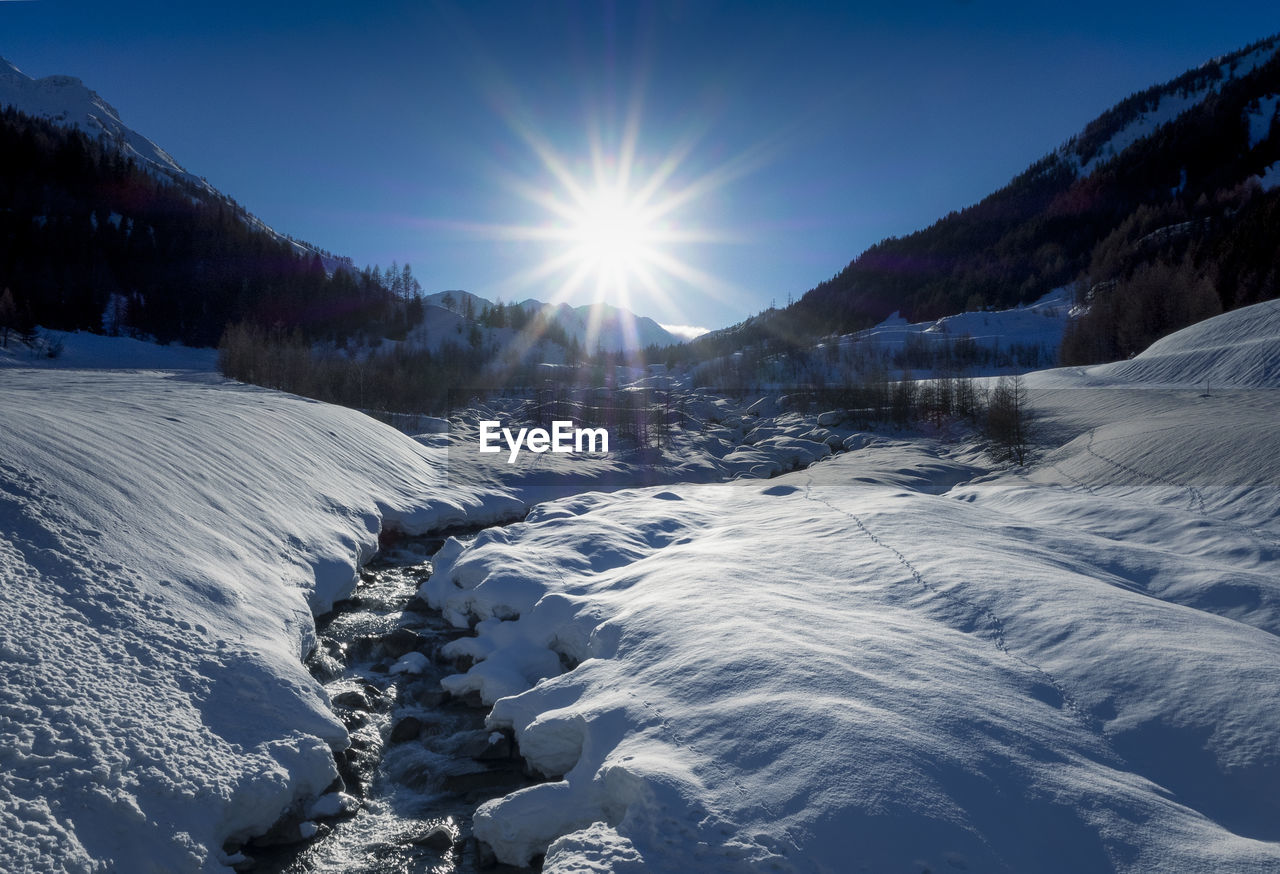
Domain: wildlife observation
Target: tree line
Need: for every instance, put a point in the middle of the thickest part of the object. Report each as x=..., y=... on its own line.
x=1051, y=227
x=91, y=240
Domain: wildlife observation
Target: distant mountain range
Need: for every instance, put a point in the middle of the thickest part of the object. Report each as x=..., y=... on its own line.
x=593, y=326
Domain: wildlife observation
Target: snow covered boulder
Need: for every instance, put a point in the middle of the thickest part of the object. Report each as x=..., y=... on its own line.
x=410, y=663
x=766, y=407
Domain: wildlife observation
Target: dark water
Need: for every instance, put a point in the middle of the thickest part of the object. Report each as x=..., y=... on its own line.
x=417, y=793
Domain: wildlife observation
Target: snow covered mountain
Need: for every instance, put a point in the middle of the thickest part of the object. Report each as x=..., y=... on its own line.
x=1142, y=115
x=599, y=325
x=66, y=100
x=1182, y=173
x=604, y=326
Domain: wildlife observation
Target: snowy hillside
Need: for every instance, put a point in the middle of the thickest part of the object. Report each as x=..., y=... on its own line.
x=164, y=541
x=67, y=100
x=82, y=350
x=1035, y=327
x=607, y=327
x=1162, y=105
x=1179, y=176
x=1238, y=348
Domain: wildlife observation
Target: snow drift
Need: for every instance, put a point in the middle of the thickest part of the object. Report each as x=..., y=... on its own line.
x=1238, y=348
x=894, y=661
x=164, y=541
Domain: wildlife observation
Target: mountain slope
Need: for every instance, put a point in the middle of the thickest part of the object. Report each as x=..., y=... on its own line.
x=1240, y=349
x=603, y=326
x=1183, y=170
x=66, y=100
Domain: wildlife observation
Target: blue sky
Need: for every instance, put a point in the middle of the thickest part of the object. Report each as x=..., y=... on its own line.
x=432, y=132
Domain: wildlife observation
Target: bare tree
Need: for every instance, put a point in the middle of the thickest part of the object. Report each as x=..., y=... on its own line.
x=1009, y=419
x=8, y=316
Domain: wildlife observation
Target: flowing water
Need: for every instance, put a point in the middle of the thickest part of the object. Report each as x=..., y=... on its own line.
x=420, y=761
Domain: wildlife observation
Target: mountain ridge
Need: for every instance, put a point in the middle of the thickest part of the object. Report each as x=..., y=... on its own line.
x=596, y=325
x=69, y=102
x=1186, y=170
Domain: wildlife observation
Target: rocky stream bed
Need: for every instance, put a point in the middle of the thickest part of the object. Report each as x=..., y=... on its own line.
x=420, y=760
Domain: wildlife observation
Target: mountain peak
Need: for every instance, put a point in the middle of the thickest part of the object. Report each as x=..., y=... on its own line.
x=68, y=101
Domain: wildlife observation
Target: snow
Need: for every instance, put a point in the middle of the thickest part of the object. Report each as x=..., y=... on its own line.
x=1250, y=61
x=82, y=350
x=1038, y=324
x=685, y=332
x=1270, y=178
x=834, y=671
x=67, y=101
x=333, y=804
x=165, y=538
x=898, y=660
x=164, y=541
x=1042, y=321
x=1238, y=348
x=410, y=663
x=1167, y=108
x=1170, y=104
x=594, y=326
x=894, y=658
x=1260, y=119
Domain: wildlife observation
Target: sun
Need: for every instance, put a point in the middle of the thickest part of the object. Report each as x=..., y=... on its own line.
x=614, y=222
x=611, y=231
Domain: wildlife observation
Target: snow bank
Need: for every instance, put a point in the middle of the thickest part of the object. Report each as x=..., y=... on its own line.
x=164, y=541
x=871, y=666
x=1238, y=348
x=82, y=350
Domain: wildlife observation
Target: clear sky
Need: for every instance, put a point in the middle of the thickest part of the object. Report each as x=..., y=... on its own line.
x=767, y=144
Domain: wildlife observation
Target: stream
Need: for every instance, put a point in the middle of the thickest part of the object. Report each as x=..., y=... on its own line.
x=420, y=760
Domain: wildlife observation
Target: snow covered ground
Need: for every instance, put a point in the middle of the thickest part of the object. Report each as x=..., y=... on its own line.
x=1038, y=325
x=896, y=659
x=79, y=350
x=164, y=541
x=893, y=662
x=165, y=538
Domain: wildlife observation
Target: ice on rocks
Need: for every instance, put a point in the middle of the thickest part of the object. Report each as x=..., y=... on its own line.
x=410, y=663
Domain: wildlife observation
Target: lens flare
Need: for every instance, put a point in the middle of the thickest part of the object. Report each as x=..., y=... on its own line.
x=621, y=216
